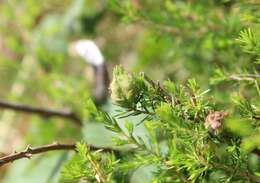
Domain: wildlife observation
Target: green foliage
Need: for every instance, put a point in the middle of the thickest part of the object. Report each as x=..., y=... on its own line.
x=248, y=42
x=87, y=165
x=176, y=141
x=157, y=132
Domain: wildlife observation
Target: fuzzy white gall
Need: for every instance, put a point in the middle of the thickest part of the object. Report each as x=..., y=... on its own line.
x=89, y=51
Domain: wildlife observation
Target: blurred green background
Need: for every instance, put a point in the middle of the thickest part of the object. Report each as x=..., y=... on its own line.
x=175, y=39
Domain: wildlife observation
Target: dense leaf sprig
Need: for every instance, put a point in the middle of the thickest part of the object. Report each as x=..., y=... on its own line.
x=185, y=137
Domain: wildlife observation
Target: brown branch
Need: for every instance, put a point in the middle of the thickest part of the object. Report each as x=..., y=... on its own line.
x=29, y=151
x=42, y=111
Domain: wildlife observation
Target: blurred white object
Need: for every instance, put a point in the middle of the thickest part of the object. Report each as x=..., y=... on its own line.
x=89, y=51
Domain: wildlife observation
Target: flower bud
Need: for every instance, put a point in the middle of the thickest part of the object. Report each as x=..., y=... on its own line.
x=122, y=86
x=214, y=120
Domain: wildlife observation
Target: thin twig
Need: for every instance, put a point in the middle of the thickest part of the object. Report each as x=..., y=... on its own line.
x=247, y=77
x=29, y=151
x=45, y=112
x=166, y=95
x=99, y=173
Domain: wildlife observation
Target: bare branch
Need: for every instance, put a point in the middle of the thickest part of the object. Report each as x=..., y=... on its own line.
x=245, y=77
x=42, y=111
x=29, y=151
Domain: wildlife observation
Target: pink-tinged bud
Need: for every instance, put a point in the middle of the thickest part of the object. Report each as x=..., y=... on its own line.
x=214, y=120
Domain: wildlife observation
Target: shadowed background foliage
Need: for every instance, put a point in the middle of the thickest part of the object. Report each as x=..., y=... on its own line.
x=167, y=39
